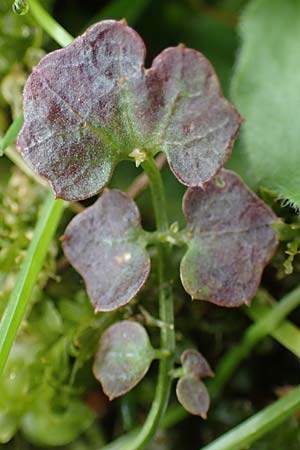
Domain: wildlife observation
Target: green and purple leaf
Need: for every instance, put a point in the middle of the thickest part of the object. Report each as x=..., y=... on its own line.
x=124, y=356
x=194, y=363
x=105, y=245
x=92, y=104
x=193, y=395
x=232, y=240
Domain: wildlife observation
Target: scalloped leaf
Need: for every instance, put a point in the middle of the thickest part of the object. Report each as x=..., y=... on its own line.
x=194, y=363
x=193, y=395
x=105, y=245
x=232, y=240
x=92, y=104
x=124, y=356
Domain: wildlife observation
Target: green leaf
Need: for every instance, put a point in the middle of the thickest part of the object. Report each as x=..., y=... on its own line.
x=113, y=108
x=265, y=87
x=231, y=241
x=124, y=357
x=45, y=426
x=105, y=244
x=8, y=426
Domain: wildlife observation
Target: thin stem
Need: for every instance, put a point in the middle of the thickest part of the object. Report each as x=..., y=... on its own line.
x=252, y=429
x=20, y=296
x=54, y=29
x=139, y=440
x=11, y=133
x=157, y=194
x=264, y=326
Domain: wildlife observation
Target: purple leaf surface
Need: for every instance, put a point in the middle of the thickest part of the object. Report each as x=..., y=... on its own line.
x=194, y=363
x=92, y=104
x=123, y=358
x=105, y=245
x=193, y=395
x=232, y=240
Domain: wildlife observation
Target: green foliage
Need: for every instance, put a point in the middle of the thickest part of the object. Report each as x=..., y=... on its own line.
x=264, y=88
x=49, y=394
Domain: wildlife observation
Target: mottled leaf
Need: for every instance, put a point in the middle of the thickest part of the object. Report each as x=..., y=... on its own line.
x=231, y=241
x=265, y=87
x=193, y=395
x=105, y=245
x=123, y=358
x=194, y=363
x=92, y=104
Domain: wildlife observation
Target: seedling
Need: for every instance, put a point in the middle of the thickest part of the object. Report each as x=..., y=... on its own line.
x=93, y=104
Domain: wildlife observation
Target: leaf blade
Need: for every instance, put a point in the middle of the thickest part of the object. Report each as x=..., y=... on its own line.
x=232, y=240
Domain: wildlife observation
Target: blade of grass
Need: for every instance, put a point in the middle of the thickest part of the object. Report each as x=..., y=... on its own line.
x=287, y=334
x=20, y=296
x=46, y=21
x=256, y=426
x=11, y=133
x=265, y=325
x=46, y=225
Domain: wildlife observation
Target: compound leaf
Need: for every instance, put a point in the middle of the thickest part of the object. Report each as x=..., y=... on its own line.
x=92, y=104
x=231, y=241
x=264, y=88
x=105, y=245
x=123, y=358
x=194, y=363
x=193, y=395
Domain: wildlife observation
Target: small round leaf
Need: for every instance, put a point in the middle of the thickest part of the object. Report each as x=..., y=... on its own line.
x=124, y=357
x=105, y=245
x=193, y=395
x=232, y=241
x=194, y=363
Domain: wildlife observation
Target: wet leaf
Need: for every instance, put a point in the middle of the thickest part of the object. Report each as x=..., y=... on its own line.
x=113, y=107
x=124, y=357
x=105, y=245
x=194, y=363
x=231, y=241
x=193, y=395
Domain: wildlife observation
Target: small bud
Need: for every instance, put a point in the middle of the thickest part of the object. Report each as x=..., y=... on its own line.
x=138, y=155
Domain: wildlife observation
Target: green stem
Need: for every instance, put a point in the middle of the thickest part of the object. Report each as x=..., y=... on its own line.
x=157, y=194
x=252, y=429
x=20, y=296
x=166, y=314
x=11, y=133
x=264, y=326
x=54, y=29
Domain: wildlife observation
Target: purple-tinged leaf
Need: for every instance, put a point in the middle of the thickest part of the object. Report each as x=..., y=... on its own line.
x=232, y=240
x=92, y=104
x=193, y=395
x=124, y=356
x=105, y=245
x=194, y=363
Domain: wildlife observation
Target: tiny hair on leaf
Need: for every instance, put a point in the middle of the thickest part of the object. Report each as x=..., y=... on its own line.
x=113, y=108
x=232, y=240
x=105, y=244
